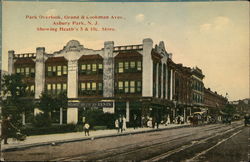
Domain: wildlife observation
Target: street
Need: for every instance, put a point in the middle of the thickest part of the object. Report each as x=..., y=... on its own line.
x=217, y=142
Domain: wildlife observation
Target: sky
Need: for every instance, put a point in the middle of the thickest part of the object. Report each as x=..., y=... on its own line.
x=213, y=36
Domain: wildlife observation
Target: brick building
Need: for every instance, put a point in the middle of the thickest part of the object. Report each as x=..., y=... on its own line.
x=137, y=81
x=132, y=80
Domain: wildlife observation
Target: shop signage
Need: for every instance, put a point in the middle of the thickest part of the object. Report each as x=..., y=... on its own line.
x=90, y=104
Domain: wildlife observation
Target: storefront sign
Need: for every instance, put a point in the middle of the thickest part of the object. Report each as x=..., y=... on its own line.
x=90, y=104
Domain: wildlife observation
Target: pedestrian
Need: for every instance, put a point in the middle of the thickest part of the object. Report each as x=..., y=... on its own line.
x=178, y=119
x=5, y=129
x=124, y=124
x=134, y=121
x=120, y=124
x=86, y=128
x=117, y=125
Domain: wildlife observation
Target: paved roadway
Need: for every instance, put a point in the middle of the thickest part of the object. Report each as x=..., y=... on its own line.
x=218, y=142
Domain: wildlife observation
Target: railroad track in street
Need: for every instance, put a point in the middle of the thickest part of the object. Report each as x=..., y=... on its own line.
x=139, y=148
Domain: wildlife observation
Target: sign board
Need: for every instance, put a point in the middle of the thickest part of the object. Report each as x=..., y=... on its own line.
x=91, y=104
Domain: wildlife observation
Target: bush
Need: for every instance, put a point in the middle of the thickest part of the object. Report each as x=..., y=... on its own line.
x=96, y=117
x=41, y=120
x=53, y=129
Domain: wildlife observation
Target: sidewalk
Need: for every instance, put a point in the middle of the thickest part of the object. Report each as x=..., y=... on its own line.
x=41, y=140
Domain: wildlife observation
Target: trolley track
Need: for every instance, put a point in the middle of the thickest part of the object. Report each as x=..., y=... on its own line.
x=137, y=148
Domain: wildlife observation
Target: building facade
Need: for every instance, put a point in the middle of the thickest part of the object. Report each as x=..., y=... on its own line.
x=135, y=81
x=130, y=80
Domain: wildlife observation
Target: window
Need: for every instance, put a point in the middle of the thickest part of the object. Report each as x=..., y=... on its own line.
x=100, y=88
x=126, y=66
x=64, y=86
x=32, y=72
x=48, y=87
x=83, y=86
x=126, y=86
x=100, y=68
x=22, y=71
x=139, y=65
x=132, y=86
x=27, y=71
x=132, y=64
x=94, y=67
x=88, y=86
x=18, y=70
x=138, y=88
x=56, y=88
x=59, y=70
x=93, y=86
x=120, y=86
x=65, y=70
x=54, y=70
x=49, y=71
x=120, y=67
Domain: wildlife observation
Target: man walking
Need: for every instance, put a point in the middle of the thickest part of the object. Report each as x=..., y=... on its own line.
x=86, y=128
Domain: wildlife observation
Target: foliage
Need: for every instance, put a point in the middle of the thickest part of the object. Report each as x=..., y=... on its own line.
x=14, y=101
x=47, y=104
x=96, y=117
x=229, y=109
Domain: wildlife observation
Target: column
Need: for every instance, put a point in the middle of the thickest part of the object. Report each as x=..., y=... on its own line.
x=157, y=80
x=162, y=66
x=72, y=112
x=147, y=72
x=171, y=84
x=127, y=111
x=11, y=62
x=61, y=116
x=40, y=72
x=39, y=75
x=23, y=118
x=108, y=69
x=166, y=82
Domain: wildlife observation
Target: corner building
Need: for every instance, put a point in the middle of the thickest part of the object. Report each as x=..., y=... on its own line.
x=132, y=80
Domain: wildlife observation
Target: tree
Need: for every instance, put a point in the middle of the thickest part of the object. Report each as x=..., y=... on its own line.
x=14, y=101
x=49, y=103
x=229, y=109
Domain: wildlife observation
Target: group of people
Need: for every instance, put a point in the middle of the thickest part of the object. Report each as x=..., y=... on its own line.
x=120, y=124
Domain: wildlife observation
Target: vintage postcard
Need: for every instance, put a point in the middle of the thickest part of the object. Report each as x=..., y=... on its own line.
x=125, y=81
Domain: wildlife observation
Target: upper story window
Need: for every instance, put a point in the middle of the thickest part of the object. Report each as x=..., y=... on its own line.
x=127, y=86
x=56, y=88
x=88, y=69
x=56, y=70
x=90, y=88
x=128, y=66
x=26, y=71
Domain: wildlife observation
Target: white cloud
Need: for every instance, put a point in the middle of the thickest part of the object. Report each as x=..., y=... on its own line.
x=218, y=23
x=51, y=12
x=140, y=17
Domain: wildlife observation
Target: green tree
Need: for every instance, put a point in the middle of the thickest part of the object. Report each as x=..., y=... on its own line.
x=49, y=103
x=229, y=109
x=14, y=101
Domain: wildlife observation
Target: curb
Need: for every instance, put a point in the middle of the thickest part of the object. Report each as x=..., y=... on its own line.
x=58, y=142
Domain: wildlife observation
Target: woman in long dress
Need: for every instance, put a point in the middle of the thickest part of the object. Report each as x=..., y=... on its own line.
x=124, y=126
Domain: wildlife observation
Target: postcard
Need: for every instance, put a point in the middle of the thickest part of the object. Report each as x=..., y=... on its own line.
x=125, y=80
